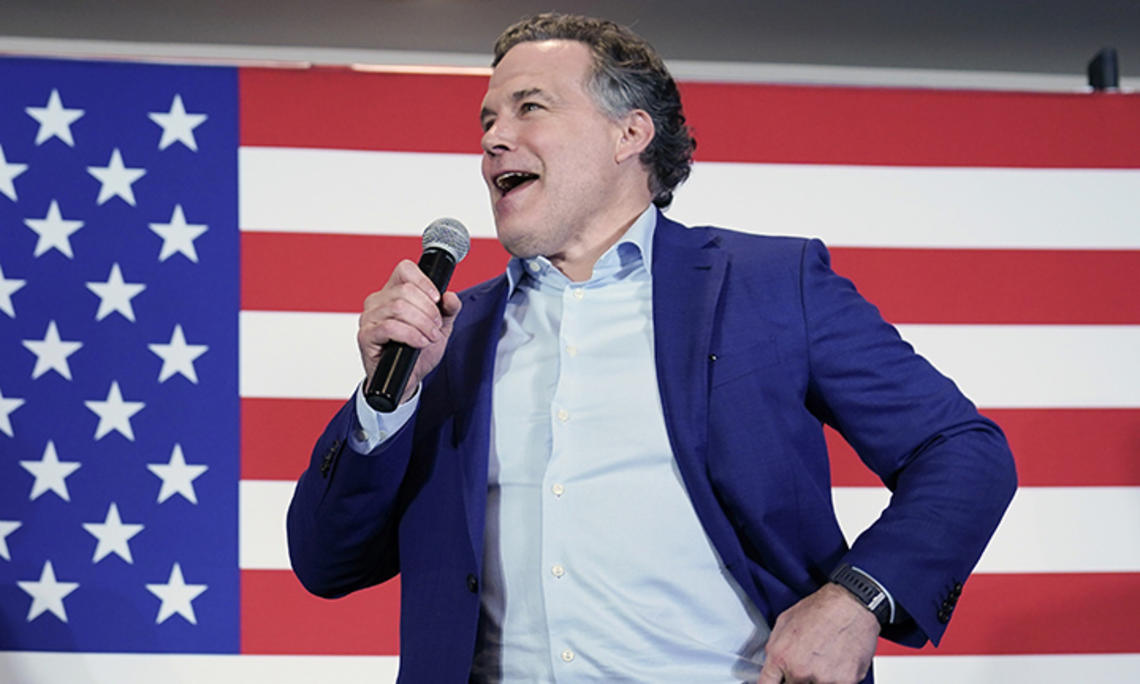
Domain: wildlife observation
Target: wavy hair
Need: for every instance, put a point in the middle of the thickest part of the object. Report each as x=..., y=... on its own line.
x=627, y=74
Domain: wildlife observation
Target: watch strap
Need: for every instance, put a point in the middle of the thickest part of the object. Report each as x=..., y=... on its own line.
x=866, y=590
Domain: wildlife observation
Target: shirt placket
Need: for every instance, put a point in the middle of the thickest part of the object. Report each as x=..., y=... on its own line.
x=559, y=583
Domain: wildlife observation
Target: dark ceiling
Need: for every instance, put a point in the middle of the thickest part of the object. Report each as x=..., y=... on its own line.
x=1041, y=36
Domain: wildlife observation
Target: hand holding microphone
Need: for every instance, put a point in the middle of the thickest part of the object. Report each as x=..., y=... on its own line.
x=405, y=326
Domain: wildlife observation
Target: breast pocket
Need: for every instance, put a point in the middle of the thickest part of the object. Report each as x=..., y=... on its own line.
x=739, y=362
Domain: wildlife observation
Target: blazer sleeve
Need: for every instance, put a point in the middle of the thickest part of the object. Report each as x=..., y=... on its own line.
x=949, y=469
x=343, y=519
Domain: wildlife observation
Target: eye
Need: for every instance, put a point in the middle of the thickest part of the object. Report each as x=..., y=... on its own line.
x=486, y=124
x=529, y=107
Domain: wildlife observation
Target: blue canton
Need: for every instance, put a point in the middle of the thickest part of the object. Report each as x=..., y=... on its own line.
x=119, y=409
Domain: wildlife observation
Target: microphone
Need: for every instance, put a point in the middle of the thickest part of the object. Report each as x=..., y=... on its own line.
x=445, y=244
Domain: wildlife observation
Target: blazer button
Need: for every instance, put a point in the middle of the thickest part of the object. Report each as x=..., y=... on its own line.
x=472, y=584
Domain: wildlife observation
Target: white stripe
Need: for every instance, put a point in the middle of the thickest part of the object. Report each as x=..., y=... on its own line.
x=136, y=668
x=881, y=206
x=1047, y=529
x=1036, y=366
x=1030, y=669
x=129, y=668
x=350, y=191
x=301, y=355
x=399, y=193
x=314, y=355
x=262, y=544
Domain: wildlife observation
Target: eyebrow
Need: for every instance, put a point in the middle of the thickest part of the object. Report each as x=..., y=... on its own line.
x=516, y=97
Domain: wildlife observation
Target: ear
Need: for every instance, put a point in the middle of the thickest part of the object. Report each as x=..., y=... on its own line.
x=637, y=132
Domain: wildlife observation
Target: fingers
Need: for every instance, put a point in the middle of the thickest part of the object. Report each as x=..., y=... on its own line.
x=827, y=637
x=404, y=311
x=408, y=310
x=770, y=674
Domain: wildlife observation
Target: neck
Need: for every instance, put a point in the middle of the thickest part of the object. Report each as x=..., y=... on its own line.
x=578, y=259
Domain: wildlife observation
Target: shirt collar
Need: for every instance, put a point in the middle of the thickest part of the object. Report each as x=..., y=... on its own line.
x=636, y=243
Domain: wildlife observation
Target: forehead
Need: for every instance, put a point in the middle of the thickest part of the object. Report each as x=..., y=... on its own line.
x=554, y=66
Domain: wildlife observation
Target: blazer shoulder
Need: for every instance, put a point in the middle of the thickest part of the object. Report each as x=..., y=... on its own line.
x=740, y=244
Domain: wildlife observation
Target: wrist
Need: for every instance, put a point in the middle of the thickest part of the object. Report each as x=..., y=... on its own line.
x=864, y=590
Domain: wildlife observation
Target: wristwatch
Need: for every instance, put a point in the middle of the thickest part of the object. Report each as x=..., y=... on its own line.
x=869, y=593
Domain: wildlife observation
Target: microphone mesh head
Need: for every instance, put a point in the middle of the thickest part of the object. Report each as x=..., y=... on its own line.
x=449, y=235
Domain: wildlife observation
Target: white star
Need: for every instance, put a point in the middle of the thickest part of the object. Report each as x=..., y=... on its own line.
x=7, y=527
x=7, y=406
x=54, y=231
x=55, y=120
x=48, y=594
x=52, y=352
x=8, y=173
x=9, y=287
x=176, y=596
x=50, y=473
x=115, y=295
x=177, y=477
x=178, y=357
x=113, y=536
x=177, y=125
x=178, y=236
x=114, y=413
x=116, y=179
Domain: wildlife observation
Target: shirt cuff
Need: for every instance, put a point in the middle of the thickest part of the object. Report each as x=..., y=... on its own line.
x=374, y=428
x=890, y=599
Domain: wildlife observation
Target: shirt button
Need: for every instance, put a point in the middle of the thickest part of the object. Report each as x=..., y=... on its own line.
x=534, y=266
x=570, y=349
x=579, y=293
x=558, y=490
x=563, y=415
x=362, y=436
x=567, y=656
x=558, y=571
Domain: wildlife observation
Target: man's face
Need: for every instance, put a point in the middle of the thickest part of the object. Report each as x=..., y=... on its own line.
x=549, y=152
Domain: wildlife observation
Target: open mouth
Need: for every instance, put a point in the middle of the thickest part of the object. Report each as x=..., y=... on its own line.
x=508, y=181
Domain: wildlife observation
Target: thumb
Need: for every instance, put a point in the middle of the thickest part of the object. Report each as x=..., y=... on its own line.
x=449, y=306
x=770, y=674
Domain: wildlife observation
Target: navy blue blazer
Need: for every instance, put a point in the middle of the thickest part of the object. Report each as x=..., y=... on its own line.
x=758, y=343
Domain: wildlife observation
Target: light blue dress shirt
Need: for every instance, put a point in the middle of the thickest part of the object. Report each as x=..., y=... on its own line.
x=596, y=567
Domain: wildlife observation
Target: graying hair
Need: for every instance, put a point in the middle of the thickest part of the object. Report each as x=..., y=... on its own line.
x=627, y=74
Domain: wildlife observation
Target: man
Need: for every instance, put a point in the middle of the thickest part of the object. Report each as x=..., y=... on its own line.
x=610, y=465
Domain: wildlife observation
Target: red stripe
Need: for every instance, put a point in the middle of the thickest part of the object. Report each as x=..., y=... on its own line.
x=997, y=615
x=996, y=285
x=279, y=616
x=342, y=109
x=1052, y=447
x=277, y=435
x=910, y=127
x=909, y=285
x=334, y=107
x=1041, y=613
x=279, y=272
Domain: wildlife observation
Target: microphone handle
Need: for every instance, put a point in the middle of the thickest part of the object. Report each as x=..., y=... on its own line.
x=397, y=359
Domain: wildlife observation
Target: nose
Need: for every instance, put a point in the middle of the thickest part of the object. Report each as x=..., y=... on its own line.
x=496, y=139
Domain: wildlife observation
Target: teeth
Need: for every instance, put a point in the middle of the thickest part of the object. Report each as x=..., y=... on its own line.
x=512, y=179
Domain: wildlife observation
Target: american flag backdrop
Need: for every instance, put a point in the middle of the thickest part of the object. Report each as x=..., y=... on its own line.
x=184, y=250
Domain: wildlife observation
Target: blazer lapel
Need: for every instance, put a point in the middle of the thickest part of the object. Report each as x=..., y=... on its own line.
x=470, y=370
x=688, y=273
